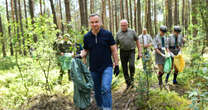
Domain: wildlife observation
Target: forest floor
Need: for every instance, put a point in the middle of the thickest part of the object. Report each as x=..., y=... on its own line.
x=123, y=99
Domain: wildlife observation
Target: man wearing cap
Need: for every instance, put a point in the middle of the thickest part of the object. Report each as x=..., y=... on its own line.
x=161, y=47
x=127, y=40
x=175, y=42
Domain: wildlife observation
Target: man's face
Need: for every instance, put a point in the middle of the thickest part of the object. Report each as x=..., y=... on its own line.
x=95, y=22
x=176, y=33
x=124, y=26
x=162, y=33
x=144, y=31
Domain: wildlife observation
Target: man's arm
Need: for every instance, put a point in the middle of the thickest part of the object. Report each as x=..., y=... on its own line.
x=114, y=53
x=139, y=48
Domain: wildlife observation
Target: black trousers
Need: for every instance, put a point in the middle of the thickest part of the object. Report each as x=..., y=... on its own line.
x=128, y=63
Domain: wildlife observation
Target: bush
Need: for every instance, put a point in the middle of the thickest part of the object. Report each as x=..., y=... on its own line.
x=163, y=100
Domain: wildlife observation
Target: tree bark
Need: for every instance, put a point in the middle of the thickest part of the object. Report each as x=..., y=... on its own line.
x=67, y=10
x=169, y=15
x=127, y=11
x=131, y=17
x=148, y=18
x=31, y=5
x=41, y=12
x=121, y=9
x=194, y=16
x=17, y=26
x=116, y=16
x=54, y=13
x=176, y=13
x=62, y=25
x=135, y=15
x=83, y=13
x=139, y=17
x=9, y=29
x=21, y=28
x=155, y=17
x=104, y=13
x=110, y=16
x=92, y=3
x=2, y=40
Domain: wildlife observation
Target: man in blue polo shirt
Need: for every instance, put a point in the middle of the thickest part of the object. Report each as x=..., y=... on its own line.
x=100, y=45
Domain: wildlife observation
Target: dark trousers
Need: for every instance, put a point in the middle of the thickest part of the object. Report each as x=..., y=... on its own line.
x=128, y=62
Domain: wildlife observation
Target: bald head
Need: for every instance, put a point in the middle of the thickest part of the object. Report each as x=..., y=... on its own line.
x=124, y=25
x=144, y=31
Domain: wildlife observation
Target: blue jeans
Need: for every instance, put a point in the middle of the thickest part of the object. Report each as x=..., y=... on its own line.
x=102, y=88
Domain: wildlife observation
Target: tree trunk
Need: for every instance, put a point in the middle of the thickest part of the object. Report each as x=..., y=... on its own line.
x=194, y=16
x=131, y=17
x=17, y=26
x=2, y=40
x=155, y=17
x=86, y=13
x=169, y=15
x=135, y=15
x=116, y=16
x=139, y=17
x=110, y=16
x=67, y=10
x=9, y=28
x=176, y=13
x=121, y=9
x=62, y=25
x=25, y=11
x=127, y=11
x=21, y=28
x=83, y=13
x=148, y=18
x=31, y=5
x=187, y=15
x=92, y=3
x=41, y=12
x=104, y=13
x=54, y=13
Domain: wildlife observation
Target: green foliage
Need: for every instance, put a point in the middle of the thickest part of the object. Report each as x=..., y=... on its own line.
x=169, y=100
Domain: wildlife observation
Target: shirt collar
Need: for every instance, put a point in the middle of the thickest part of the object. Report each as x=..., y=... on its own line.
x=101, y=29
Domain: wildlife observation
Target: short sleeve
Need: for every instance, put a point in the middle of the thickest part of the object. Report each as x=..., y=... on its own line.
x=150, y=39
x=85, y=43
x=135, y=36
x=111, y=40
x=167, y=44
x=117, y=41
x=155, y=43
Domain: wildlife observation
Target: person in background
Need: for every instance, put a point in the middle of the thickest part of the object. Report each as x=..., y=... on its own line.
x=146, y=43
x=175, y=42
x=127, y=40
x=160, y=43
x=62, y=46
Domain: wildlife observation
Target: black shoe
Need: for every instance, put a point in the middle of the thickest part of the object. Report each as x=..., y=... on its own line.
x=175, y=82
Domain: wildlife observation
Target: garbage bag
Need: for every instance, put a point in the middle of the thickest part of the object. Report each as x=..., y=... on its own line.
x=65, y=61
x=167, y=65
x=179, y=62
x=83, y=83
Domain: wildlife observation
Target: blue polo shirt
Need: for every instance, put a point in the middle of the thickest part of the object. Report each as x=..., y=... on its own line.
x=99, y=49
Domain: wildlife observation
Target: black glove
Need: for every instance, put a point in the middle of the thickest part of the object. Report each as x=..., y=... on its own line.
x=138, y=58
x=116, y=70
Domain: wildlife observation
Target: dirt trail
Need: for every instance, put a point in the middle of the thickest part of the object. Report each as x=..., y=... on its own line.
x=122, y=100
